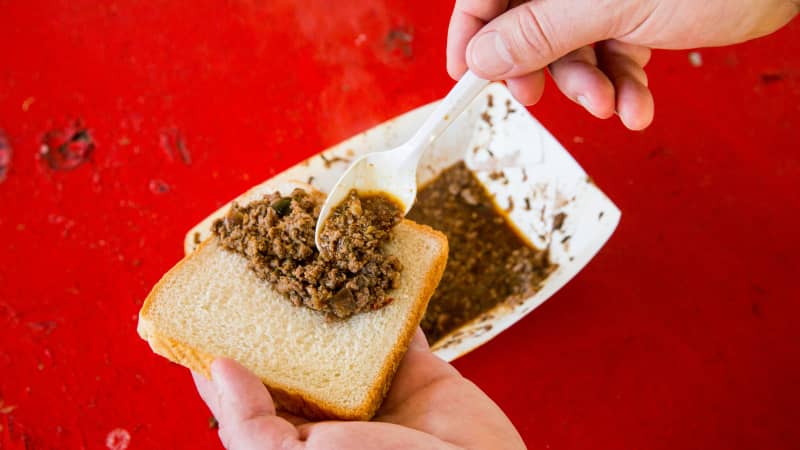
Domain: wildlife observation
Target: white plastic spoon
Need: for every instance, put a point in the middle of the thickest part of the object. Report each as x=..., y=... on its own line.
x=395, y=171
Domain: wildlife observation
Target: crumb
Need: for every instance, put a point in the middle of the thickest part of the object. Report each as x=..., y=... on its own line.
x=330, y=161
x=695, y=59
x=558, y=220
x=509, y=109
x=26, y=105
x=196, y=237
x=497, y=175
x=360, y=39
x=487, y=118
x=118, y=439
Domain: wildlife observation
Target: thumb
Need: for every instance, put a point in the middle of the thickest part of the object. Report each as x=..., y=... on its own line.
x=534, y=34
x=246, y=413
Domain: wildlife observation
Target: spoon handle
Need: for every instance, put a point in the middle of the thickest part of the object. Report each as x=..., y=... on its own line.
x=456, y=101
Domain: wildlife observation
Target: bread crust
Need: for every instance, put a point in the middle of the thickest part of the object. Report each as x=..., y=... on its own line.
x=382, y=384
x=284, y=397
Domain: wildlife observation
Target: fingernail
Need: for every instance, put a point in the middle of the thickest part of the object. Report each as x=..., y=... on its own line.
x=490, y=55
x=584, y=101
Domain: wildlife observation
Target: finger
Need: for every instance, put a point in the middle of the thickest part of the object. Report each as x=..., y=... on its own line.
x=370, y=435
x=291, y=418
x=419, y=341
x=430, y=395
x=633, y=100
x=639, y=54
x=528, y=89
x=247, y=417
x=468, y=17
x=577, y=76
x=616, y=64
x=532, y=35
x=635, y=104
x=242, y=394
x=419, y=368
x=207, y=391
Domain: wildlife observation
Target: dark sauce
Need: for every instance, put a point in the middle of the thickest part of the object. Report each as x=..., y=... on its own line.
x=488, y=264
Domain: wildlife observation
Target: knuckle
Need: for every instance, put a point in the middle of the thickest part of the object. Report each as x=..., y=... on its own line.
x=532, y=37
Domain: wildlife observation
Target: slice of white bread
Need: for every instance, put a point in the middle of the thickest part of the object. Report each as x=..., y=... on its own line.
x=211, y=304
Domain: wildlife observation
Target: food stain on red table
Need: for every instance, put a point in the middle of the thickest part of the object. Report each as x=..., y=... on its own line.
x=125, y=123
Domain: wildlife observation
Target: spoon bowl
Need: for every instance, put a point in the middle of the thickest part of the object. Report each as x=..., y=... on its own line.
x=394, y=172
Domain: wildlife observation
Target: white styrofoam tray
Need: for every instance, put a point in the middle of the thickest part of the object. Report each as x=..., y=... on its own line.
x=540, y=179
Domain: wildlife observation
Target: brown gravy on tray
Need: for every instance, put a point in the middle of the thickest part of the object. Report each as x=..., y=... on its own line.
x=488, y=263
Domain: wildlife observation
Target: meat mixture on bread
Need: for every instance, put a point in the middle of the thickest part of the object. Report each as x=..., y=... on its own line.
x=353, y=274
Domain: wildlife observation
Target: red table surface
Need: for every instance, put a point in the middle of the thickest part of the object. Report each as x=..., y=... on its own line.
x=681, y=333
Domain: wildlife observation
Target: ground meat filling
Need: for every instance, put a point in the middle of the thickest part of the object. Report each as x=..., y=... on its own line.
x=488, y=263
x=353, y=274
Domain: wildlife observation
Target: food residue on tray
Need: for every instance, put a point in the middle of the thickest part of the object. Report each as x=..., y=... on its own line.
x=352, y=274
x=488, y=262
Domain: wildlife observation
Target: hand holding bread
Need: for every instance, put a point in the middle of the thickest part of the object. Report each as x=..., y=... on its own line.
x=429, y=406
x=213, y=305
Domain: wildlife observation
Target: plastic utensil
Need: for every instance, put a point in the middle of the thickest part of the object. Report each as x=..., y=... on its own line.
x=395, y=171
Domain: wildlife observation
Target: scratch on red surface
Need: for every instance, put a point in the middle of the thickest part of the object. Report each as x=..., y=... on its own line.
x=174, y=145
x=5, y=156
x=68, y=147
x=43, y=326
x=10, y=438
x=157, y=186
x=8, y=311
x=400, y=38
